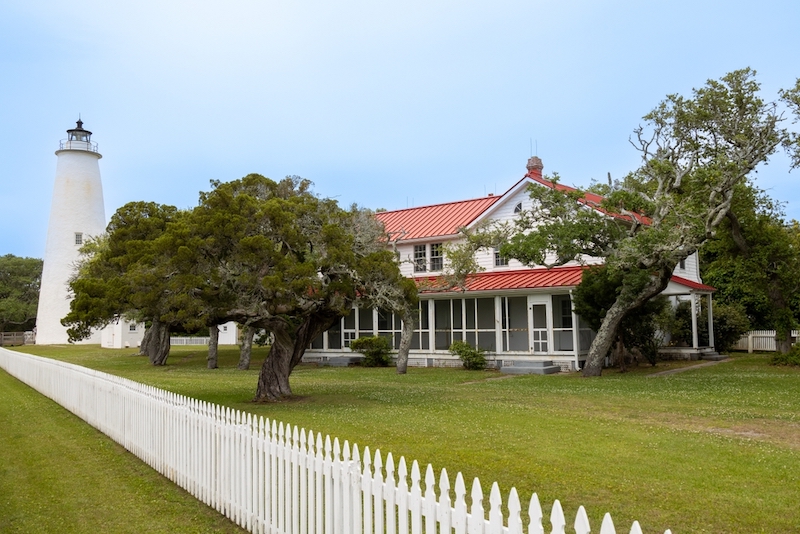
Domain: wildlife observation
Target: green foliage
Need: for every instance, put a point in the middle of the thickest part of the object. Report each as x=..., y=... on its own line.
x=730, y=323
x=19, y=292
x=473, y=358
x=753, y=261
x=789, y=358
x=375, y=350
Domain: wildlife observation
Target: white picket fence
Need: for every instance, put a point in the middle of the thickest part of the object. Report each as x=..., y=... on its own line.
x=271, y=477
x=760, y=340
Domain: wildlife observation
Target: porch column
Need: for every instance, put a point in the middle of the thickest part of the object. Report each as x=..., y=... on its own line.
x=710, y=323
x=695, y=341
x=498, y=325
x=576, y=348
x=576, y=340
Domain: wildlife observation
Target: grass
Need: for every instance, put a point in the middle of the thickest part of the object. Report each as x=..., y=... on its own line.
x=58, y=474
x=713, y=449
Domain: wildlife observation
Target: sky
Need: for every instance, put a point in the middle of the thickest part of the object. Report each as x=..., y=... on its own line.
x=382, y=104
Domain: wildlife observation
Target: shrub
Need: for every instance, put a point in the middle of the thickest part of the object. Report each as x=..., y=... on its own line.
x=790, y=358
x=375, y=350
x=472, y=357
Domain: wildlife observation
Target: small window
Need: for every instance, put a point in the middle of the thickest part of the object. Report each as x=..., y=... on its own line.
x=518, y=208
x=683, y=265
x=499, y=261
x=437, y=257
x=132, y=327
x=78, y=238
x=420, y=259
x=224, y=328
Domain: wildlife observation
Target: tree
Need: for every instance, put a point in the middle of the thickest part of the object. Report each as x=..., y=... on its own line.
x=130, y=272
x=694, y=153
x=754, y=262
x=19, y=292
x=637, y=331
x=277, y=257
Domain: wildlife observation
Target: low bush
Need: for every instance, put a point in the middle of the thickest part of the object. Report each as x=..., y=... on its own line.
x=472, y=357
x=790, y=358
x=375, y=350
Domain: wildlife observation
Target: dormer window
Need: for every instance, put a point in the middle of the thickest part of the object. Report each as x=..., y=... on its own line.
x=78, y=238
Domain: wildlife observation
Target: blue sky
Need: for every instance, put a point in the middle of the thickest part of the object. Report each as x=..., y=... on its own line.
x=383, y=104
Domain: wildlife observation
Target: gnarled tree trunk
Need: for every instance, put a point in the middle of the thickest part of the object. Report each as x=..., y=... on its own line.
x=610, y=326
x=213, y=346
x=405, y=341
x=288, y=346
x=155, y=344
x=246, y=350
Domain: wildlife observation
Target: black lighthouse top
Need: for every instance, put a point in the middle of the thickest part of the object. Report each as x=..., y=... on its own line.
x=79, y=134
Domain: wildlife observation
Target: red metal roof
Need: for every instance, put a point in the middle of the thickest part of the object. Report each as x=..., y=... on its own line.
x=518, y=279
x=692, y=284
x=590, y=199
x=436, y=220
x=528, y=279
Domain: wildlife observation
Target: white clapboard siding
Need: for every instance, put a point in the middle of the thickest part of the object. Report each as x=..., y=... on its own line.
x=271, y=477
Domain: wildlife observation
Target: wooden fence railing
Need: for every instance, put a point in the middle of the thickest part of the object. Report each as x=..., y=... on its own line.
x=271, y=477
x=760, y=340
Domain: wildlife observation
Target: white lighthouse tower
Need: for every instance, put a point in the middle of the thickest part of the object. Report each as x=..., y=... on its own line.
x=76, y=214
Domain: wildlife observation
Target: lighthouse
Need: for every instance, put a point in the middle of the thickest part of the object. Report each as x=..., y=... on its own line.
x=76, y=214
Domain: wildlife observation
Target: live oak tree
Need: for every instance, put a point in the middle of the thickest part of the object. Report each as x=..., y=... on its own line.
x=129, y=272
x=280, y=258
x=754, y=262
x=19, y=292
x=694, y=152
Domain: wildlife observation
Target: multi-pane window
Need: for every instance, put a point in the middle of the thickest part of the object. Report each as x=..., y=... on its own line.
x=132, y=327
x=78, y=238
x=499, y=261
x=420, y=258
x=437, y=257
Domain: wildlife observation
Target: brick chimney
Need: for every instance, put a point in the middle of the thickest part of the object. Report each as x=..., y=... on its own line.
x=535, y=167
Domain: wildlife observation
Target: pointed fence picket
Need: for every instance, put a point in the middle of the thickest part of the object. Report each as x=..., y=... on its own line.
x=272, y=477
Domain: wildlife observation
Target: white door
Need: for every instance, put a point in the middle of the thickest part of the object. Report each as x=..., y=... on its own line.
x=539, y=319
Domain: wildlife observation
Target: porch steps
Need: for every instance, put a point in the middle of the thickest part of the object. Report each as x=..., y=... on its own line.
x=531, y=368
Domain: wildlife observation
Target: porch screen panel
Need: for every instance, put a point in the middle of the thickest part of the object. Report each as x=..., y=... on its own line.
x=365, y=322
x=318, y=342
x=486, y=324
x=562, y=323
x=516, y=309
x=442, y=324
x=335, y=336
x=419, y=339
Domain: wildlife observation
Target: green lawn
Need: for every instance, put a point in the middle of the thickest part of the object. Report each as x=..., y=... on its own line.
x=713, y=449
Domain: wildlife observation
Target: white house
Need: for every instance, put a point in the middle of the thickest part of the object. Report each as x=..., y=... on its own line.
x=519, y=315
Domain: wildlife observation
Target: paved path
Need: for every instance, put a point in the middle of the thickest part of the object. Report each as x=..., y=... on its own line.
x=688, y=368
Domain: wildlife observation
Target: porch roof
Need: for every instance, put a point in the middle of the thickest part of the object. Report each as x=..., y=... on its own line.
x=561, y=277
x=517, y=279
